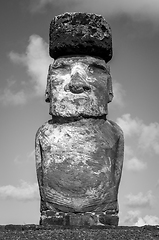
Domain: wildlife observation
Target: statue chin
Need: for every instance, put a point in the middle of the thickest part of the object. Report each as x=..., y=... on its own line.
x=77, y=107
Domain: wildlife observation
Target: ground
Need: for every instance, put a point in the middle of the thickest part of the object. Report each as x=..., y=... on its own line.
x=28, y=232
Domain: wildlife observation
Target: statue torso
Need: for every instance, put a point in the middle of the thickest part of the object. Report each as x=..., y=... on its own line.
x=78, y=163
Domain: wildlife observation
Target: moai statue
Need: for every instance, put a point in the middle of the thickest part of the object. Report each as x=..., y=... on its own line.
x=79, y=152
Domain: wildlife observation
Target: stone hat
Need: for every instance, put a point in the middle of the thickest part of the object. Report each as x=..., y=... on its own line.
x=80, y=34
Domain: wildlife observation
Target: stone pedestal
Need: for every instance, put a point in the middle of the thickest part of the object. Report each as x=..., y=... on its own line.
x=101, y=219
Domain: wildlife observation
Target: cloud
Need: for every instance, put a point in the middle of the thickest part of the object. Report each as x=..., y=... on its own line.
x=128, y=151
x=129, y=126
x=131, y=217
x=24, y=192
x=31, y=154
x=8, y=97
x=147, y=220
x=147, y=135
x=137, y=10
x=139, y=200
x=131, y=162
x=39, y=5
x=36, y=60
x=68, y=5
x=134, y=218
x=135, y=164
x=119, y=93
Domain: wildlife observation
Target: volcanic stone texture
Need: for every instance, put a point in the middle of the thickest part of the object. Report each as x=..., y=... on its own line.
x=79, y=165
x=80, y=34
x=79, y=219
x=78, y=86
x=28, y=232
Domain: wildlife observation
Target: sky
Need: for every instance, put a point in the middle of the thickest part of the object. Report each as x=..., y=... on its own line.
x=24, y=63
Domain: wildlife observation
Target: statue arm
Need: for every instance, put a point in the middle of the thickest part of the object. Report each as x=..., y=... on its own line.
x=119, y=158
x=38, y=159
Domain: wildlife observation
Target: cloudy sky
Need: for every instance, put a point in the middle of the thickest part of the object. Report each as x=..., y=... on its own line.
x=24, y=62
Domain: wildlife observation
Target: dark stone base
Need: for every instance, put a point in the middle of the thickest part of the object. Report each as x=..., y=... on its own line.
x=79, y=219
x=32, y=231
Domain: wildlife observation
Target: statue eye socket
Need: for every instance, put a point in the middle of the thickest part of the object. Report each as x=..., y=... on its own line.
x=60, y=66
x=95, y=66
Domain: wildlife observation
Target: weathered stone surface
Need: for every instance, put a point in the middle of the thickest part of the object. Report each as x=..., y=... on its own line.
x=79, y=86
x=79, y=152
x=87, y=219
x=80, y=34
x=80, y=164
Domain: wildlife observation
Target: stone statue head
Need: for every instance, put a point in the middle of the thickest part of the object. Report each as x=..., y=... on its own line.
x=79, y=81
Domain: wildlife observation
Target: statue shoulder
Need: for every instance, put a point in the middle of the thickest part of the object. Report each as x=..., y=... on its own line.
x=46, y=127
x=117, y=129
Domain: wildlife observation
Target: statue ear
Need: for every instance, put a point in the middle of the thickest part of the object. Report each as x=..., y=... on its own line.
x=47, y=97
x=47, y=91
x=110, y=97
x=110, y=88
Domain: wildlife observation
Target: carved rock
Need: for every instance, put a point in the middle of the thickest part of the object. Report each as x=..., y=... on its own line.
x=80, y=164
x=78, y=86
x=80, y=34
x=79, y=153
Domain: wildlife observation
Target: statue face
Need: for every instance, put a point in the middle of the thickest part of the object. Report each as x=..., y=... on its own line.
x=78, y=86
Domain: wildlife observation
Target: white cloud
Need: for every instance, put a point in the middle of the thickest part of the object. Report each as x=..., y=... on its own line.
x=135, y=164
x=129, y=126
x=147, y=135
x=138, y=10
x=128, y=151
x=131, y=217
x=147, y=220
x=24, y=192
x=134, y=218
x=39, y=5
x=36, y=60
x=8, y=97
x=31, y=155
x=139, y=200
x=119, y=93
x=131, y=162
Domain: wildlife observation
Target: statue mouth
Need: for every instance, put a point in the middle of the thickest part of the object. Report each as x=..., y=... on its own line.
x=61, y=119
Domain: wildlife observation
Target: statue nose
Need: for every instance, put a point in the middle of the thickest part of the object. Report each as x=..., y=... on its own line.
x=78, y=85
